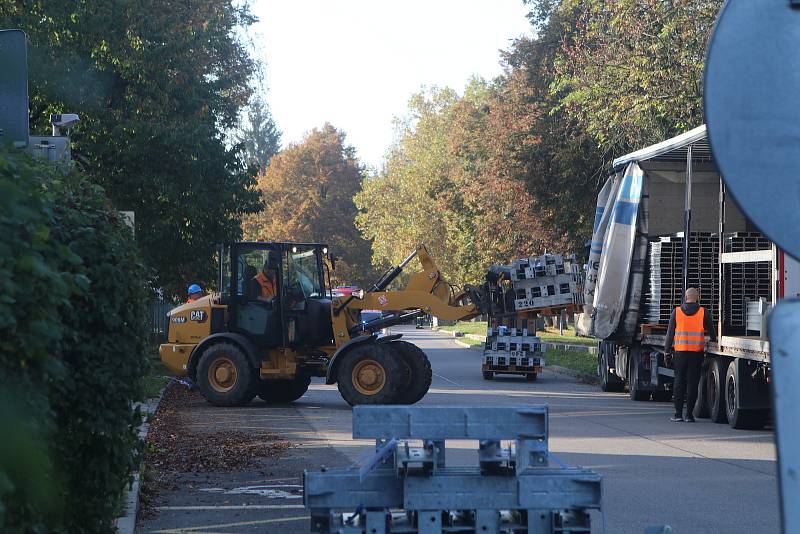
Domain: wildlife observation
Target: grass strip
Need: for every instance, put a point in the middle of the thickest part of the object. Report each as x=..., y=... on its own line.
x=577, y=360
x=548, y=335
x=156, y=379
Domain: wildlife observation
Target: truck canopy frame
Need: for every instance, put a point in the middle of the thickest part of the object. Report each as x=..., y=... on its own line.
x=681, y=173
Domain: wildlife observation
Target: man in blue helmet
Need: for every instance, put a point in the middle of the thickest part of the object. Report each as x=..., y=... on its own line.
x=195, y=292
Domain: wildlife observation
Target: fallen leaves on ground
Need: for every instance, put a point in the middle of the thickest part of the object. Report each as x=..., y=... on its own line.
x=172, y=446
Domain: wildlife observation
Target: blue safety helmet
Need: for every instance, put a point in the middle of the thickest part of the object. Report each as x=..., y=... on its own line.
x=194, y=288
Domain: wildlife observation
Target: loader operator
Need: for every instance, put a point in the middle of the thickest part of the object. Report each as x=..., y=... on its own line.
x=686, y=340
x=263, y=284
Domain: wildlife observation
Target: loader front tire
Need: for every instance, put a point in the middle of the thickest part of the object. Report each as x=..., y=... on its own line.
x=369, y=374
x=417, y=373
x=225, y=377
x=283, y=391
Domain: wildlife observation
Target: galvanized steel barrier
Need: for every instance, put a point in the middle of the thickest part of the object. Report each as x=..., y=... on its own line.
x=409, y=488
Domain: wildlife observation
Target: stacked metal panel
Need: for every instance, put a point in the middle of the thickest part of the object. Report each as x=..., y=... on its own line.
x=746, y=282
x=513, y=347
x=665, y=289
x=549, y=280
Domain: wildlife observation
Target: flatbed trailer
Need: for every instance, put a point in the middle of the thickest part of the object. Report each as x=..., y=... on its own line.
x=660, y=191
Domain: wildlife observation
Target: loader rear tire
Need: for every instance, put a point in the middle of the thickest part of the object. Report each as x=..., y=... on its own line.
x=225, y=377
x=369, y=374
x=283, y=391
x=417, y=371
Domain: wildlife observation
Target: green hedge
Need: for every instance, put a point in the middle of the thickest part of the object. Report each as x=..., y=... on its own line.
x=72, y=350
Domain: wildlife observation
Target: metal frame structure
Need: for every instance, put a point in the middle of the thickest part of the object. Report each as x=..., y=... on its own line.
x=407, y=487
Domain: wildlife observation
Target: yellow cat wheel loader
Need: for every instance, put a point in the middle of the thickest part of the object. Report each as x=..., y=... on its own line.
x=276, y=323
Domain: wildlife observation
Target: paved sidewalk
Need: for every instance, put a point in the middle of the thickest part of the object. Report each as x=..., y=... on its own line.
x=265, y=497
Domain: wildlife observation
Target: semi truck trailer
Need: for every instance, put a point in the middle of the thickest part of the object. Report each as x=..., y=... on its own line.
x=663, y=222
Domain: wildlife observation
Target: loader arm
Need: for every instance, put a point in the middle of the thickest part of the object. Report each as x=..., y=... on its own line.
x=426, y=292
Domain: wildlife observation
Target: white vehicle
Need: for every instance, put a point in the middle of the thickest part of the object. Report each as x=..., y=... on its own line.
x=640, y=264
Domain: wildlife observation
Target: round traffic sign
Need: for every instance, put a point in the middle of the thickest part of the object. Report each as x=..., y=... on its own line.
x=752, y=107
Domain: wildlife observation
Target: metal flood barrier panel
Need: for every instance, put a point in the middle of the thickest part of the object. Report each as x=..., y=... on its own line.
x=407, y=487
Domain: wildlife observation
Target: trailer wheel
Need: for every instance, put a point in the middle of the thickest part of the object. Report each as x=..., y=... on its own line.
x=662, y=395
x=488, y=375
x=416, y=369
x=635, y=388
x=701, y=410
x=283, y=391
x=715, y=391
x=738, y=418
x=225, y=377
x=608, y=381
x=369, y=374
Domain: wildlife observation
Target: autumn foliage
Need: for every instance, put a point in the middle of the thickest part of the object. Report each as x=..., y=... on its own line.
x=307, y=191
x=512, y=167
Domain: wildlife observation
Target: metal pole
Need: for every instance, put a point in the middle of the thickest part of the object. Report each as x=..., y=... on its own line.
x=408, y=259
x=687, y=218
x=721, y=269
x=382, y=451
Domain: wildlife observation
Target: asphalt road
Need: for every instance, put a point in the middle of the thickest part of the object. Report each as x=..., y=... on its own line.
x=698, y=478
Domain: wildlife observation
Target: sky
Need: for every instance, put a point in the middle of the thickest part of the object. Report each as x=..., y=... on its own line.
x=355, y=63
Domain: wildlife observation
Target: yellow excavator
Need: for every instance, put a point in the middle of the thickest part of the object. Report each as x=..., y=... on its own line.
x=239, y=343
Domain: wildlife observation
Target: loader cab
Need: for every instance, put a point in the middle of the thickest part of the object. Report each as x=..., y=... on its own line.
x=298, y=314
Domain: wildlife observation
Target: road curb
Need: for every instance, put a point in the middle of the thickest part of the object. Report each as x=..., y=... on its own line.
x=466, y=345
x=583, y=377
x=569, y=346
x=126, y=524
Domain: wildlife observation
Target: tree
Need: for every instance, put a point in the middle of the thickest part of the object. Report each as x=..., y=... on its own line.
x=630, y=71
x=307, y=191
x=551, y=152
x=441, y=187
x=260, y=137
x=159, y=86
x=399, y=208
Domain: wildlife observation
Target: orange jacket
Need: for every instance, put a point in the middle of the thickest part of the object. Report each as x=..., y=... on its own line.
x=268, y=289
x=689, y=331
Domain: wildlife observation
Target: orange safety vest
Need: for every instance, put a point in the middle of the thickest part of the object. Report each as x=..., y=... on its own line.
x=268, y=290
x=689, y=331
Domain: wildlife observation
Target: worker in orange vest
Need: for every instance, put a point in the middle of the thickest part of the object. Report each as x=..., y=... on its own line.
x=265, y=284
x=686, y=339
x=194, y=292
